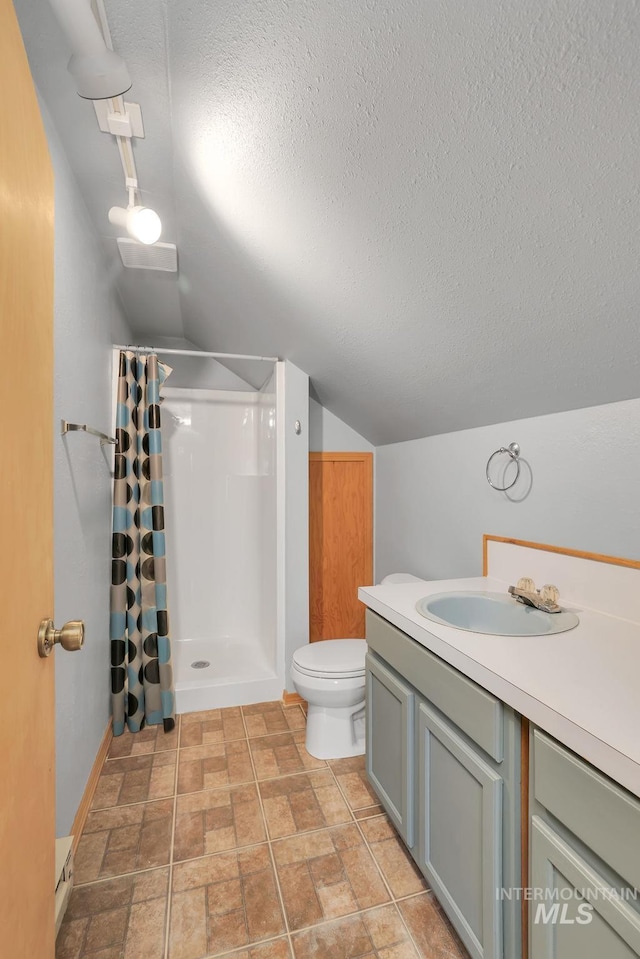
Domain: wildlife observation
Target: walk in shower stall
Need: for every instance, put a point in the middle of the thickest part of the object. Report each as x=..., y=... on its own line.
x=219, y=451
x=235, y=465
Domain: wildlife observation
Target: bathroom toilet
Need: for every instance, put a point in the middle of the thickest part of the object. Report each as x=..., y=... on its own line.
x=330, y=676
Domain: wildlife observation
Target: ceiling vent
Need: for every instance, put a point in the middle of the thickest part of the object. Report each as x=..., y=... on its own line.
x=139, y=256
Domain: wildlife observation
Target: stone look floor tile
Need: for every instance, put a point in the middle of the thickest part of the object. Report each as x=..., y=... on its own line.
x=276, y=949
x=136, y=779
x=218, y=764
x=223, y=902
x=124, y=839
x=303, y=802
x=375, y=934
x=265, y=719
x=212, y=726
x=430, y=928
x=367, y=812
x=326, y=874
x=123, y=918
x=151, y=739
x=211, y=821
x=111, y=952
x=398, y=868
x=282, y=755
x=353, y=781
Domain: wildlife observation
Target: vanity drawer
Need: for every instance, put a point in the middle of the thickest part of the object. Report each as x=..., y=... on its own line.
x=596, y=810
x=473, y=710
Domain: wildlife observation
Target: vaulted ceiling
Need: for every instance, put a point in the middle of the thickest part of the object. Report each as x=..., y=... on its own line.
x=431, y=206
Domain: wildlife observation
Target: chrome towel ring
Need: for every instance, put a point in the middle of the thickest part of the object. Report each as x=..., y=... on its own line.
x=513, y=450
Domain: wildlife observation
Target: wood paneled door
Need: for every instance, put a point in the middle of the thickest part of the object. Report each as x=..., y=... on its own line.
x=340, y=542
x=27, y=794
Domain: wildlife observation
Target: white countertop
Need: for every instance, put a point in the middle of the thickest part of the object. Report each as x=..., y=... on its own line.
x=581, y=686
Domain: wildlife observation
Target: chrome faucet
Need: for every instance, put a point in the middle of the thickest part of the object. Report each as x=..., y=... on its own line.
x=546, y=598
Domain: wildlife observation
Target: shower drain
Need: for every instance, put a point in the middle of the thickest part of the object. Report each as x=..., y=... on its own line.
x=200, y=664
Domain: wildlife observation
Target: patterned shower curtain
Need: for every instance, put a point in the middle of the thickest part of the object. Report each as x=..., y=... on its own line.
x=141, y=673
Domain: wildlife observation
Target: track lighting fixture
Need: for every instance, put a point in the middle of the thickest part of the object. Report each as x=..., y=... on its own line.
x=98, y=71
x=140, y=222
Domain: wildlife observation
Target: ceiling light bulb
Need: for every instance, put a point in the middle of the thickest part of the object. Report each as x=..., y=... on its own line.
x=144, y=224
x=140, y=222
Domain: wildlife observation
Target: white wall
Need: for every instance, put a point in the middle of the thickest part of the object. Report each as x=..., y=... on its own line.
x=433, y=502
x=87, y=319
x=292, y=386
x=328, y=432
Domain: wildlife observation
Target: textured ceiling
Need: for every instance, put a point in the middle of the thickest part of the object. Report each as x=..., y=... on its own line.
x=432, y=206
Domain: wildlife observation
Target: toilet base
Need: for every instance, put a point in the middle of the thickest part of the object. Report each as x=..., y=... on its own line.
x=335, y=733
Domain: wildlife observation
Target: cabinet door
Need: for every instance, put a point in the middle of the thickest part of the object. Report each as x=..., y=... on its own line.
x=390, y=744
x=460, y=833
x=576, y=915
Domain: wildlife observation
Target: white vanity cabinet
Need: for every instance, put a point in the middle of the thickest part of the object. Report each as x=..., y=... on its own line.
x=443, y=756
x=584, y=859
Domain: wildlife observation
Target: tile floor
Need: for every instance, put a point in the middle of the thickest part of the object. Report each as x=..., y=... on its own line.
x=227, y=839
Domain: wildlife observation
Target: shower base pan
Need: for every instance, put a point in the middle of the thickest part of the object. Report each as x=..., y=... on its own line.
x=214, y=673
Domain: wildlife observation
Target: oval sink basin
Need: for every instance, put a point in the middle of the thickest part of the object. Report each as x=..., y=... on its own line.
x=495, y=614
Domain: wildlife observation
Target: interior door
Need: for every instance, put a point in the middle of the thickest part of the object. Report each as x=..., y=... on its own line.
x=340, y=542
x=27, y=824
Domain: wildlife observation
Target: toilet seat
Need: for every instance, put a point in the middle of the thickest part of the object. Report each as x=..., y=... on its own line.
x=332, y=658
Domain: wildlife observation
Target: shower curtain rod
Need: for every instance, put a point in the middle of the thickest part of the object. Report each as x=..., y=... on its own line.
x=202, y=354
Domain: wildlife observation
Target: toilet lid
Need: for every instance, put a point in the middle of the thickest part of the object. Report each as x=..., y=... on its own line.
x=336, y=657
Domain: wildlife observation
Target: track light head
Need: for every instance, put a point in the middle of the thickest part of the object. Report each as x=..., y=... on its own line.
x=98, y=71
x=99, y=75
x=140, y=222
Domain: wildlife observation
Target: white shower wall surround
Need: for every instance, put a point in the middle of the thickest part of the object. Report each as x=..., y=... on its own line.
x=220, y=496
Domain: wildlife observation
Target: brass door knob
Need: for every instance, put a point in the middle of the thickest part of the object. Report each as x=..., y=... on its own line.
x=70, y=637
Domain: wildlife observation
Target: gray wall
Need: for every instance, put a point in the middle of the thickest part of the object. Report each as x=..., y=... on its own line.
x=191, y=372
x=328, y=432
x=87, y=319
x=433, y=502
